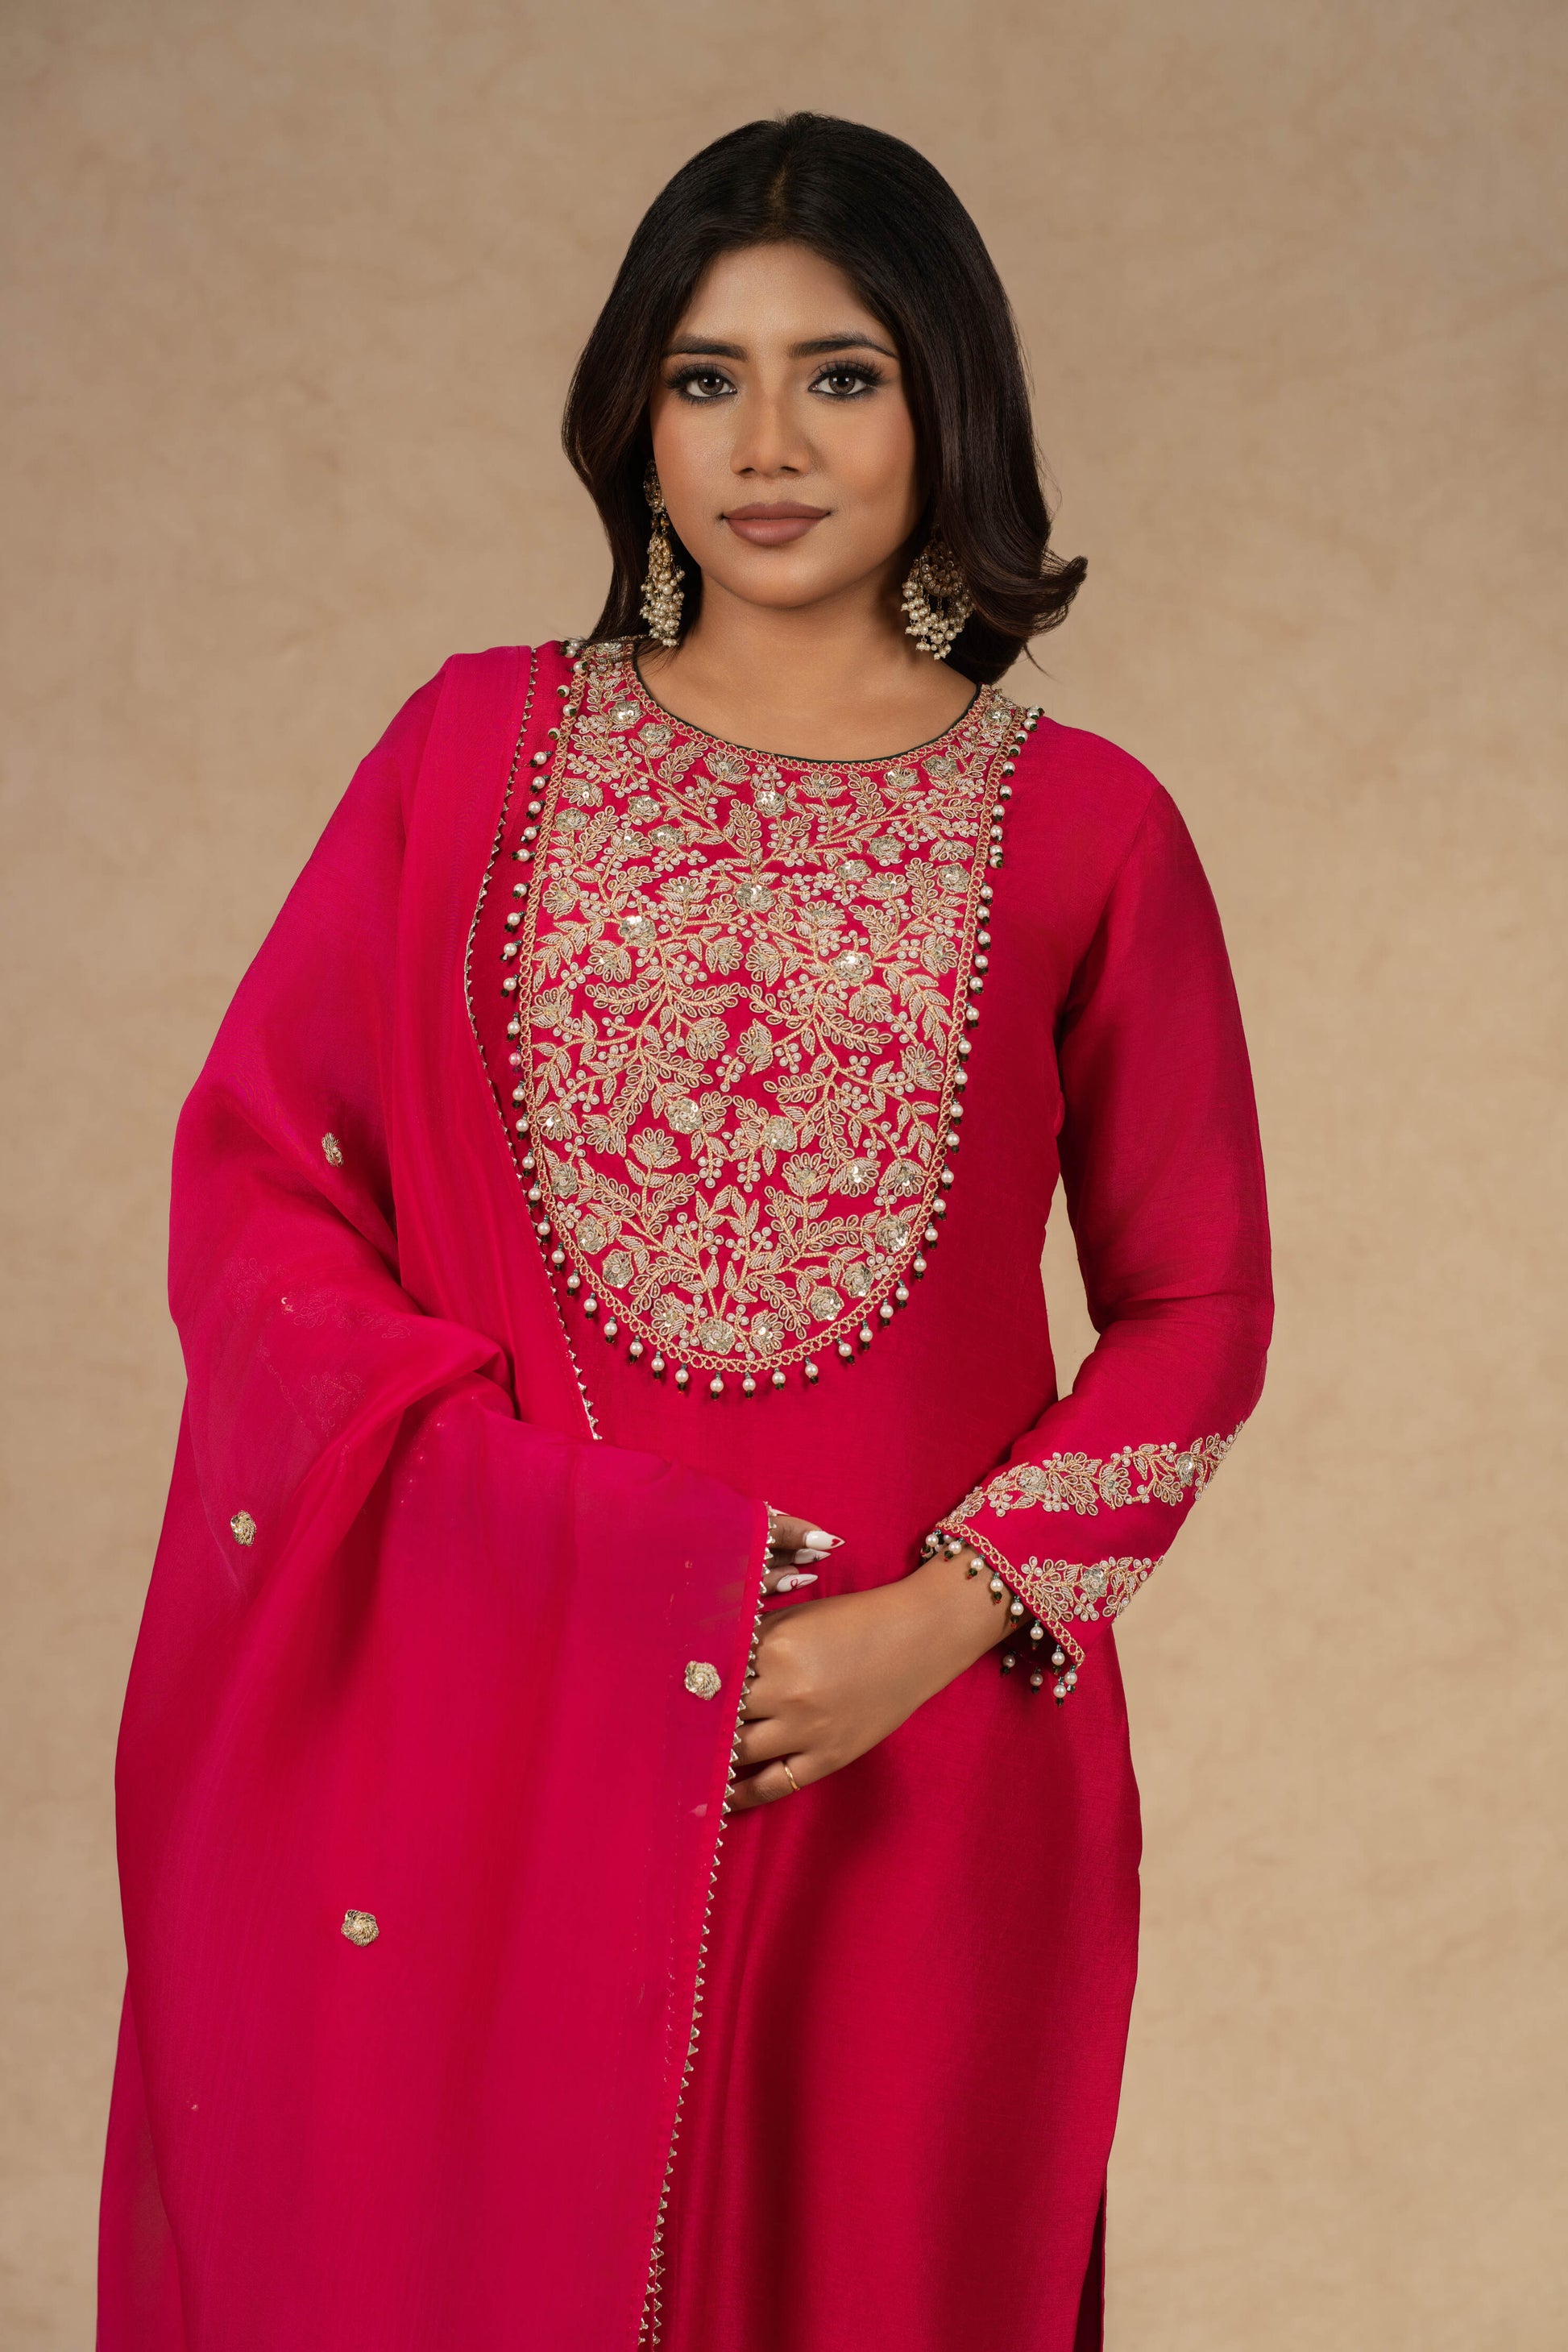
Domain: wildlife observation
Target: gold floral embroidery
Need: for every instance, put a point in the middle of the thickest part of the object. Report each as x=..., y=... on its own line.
x=745, y=988
x=1082, y=1482
x=1067, y=1590
x=1061, y=1590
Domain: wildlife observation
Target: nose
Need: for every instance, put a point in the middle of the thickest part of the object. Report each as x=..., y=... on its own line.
x=770, y=435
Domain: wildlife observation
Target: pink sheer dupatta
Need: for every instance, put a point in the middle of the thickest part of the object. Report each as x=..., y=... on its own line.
x=416, y=1649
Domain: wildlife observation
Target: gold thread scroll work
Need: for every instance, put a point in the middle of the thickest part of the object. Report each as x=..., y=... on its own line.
x=745, y=982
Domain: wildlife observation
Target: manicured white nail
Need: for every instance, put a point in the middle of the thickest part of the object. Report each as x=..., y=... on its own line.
x=818, y=1540
x=788, y=1583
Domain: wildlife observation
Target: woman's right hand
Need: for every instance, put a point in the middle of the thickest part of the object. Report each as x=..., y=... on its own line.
x=796, y=1549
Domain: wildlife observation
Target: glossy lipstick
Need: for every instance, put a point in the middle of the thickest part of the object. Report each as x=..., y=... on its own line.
x=775, y=524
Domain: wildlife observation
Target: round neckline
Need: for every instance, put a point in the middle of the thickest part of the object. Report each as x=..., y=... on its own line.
x=792, y=760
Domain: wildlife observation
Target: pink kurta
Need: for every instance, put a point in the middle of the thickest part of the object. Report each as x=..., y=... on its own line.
x=781, y=1062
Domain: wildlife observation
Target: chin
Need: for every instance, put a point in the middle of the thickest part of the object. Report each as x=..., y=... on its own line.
x=781, y=588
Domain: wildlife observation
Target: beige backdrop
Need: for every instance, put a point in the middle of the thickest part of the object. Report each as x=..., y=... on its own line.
x=295, y=286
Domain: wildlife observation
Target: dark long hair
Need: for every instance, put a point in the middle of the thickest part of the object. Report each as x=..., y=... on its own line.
x=888, y=219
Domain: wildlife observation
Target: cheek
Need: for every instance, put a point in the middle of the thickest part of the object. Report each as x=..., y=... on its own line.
x=684, y=453
x=874, y=456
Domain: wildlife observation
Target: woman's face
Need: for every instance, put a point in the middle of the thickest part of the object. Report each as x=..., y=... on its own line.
x=784, y=441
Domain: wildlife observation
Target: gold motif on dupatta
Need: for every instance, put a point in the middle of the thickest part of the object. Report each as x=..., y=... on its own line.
x=744, y=984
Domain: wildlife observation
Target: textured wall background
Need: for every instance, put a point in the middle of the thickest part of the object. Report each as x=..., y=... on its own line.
x=293, y=291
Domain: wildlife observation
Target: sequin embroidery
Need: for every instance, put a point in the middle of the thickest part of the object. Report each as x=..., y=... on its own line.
x=1062, y=1591
x=1083, y=1482
x=745, y=982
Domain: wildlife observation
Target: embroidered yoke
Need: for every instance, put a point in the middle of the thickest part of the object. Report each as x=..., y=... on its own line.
x=747, y=987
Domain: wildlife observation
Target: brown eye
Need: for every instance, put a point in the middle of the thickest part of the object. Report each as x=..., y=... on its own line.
x=700, y=384
x=846, y=381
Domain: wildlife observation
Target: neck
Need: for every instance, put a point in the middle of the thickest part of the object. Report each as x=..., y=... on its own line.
x=835, y=679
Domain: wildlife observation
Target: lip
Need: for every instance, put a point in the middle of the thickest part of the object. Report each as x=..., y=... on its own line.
x=775, y=524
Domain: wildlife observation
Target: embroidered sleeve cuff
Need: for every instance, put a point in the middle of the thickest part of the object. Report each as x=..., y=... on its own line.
x=1059, y=1592
x=1043, y=1649
x=1062, y=1592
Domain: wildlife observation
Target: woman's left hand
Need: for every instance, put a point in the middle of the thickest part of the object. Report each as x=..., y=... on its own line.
x=835, y=1677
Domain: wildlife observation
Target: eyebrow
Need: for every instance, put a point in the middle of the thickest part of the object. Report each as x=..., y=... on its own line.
x=703, y=347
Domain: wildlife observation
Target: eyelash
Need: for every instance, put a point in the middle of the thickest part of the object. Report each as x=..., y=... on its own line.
x=864, y=375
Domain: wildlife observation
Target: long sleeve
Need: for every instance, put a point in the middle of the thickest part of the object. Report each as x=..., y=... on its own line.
x=1164, y=1187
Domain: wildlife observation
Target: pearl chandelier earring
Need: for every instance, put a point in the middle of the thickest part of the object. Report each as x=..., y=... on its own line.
x=661, y=598
x=936, y=602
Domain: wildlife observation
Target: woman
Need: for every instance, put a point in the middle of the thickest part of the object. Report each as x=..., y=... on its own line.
x=615, y=1201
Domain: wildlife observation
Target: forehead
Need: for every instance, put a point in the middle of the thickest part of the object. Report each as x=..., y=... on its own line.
x=775, y=293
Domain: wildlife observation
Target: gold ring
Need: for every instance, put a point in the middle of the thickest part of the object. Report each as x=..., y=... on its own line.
x=789, y=1776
